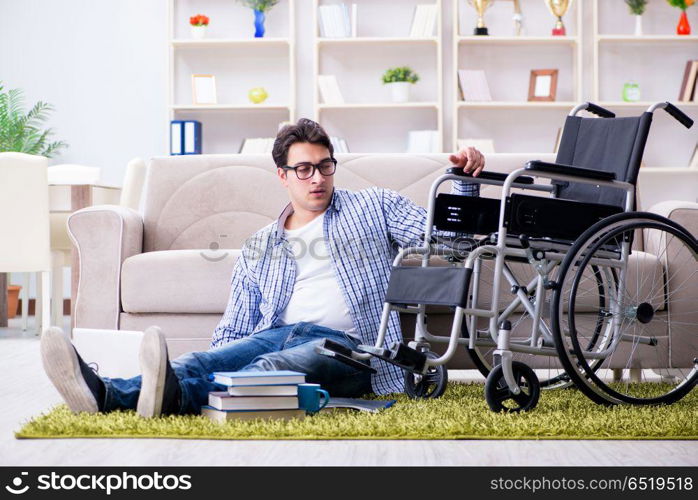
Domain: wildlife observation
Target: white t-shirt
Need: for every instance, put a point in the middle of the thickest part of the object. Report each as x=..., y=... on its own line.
x=316, y=296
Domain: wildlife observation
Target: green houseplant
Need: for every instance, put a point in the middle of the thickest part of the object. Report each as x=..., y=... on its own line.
x=23, y=132
x=637, y=8
x=399, y=79
x=260, y=7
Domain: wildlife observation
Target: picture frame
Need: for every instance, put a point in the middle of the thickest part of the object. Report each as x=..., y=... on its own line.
x=203, y=89
x=542, y=85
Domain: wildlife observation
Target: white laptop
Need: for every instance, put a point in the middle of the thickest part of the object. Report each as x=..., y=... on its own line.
x=114, y=351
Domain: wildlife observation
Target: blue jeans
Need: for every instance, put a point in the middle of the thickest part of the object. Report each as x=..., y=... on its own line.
x=289, y=347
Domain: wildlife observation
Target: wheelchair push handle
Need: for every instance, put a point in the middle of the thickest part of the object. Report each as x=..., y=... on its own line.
x=682, y=117
x=594, y=109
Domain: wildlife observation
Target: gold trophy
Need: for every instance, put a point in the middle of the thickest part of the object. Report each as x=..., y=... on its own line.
x=481, y=6
x=558, y=9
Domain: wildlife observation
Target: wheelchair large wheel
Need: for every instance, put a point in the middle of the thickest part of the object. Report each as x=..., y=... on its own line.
x=429, y=385
x=501, y=399
x=650, y=323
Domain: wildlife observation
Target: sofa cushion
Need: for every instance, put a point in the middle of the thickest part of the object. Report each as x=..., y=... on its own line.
x=177, y=281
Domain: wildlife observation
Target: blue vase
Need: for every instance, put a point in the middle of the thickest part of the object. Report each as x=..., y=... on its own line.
x=258, y=24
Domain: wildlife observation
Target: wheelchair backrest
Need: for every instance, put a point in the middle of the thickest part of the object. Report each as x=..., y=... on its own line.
x=609, y=144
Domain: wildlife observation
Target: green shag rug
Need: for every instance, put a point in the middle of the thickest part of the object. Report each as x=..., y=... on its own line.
x=461, y=413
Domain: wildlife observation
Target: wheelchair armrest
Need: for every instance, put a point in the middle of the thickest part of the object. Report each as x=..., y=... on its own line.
x=557, y=168
x=490, y=176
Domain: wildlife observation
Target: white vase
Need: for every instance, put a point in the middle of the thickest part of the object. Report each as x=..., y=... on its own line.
x=198, y=32
x=638, y=25
x=400, y=91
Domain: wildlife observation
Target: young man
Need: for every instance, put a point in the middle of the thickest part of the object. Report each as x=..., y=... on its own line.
x=320, y=271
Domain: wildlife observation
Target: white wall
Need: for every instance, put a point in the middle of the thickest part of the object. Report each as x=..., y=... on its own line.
x=102, y=64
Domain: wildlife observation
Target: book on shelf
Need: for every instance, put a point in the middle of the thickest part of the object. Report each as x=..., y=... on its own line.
x=329, y=89
x=257, y=145
x=688, y=85
x=221, y=400
x=226, y=415
x=424, y=21
x=693, y=163
x=367, y=405
x=337, y=20
x=423, y=141
x=176, y=137
x=473, y=85
x=339, y=144
x=272, y=377
x=485, y=146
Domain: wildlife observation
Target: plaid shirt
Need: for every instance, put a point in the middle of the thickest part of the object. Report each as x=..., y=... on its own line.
x=363, y=231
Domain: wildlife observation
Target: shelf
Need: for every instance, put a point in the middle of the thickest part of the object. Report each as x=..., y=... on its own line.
x=229, y=42
x=375, y=39
x=646, y=38
x=227, y=107
x=518, y=40
x=398, y=105
x=515, y=104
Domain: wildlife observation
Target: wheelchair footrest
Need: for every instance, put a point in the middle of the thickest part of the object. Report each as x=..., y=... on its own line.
x=400, y=355
x=342, y=353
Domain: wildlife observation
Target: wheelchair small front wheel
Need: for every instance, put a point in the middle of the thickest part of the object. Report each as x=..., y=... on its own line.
x=500, y=398
x=429, y=385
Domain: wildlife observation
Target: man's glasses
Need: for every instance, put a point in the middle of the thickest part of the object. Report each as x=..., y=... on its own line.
x=306, y=170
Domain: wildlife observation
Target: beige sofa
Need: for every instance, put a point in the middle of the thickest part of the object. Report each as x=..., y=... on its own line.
x=171, y=265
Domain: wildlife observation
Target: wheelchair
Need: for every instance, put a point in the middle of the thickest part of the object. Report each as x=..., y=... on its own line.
x=582, y=288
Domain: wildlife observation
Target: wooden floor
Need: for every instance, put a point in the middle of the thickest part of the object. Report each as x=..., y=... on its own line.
x=25, y=392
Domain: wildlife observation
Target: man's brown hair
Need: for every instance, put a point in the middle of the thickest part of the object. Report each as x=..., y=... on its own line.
x=304, y=130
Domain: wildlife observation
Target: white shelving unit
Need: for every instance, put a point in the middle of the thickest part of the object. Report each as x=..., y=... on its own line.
x=368, y=121
x=240, y=62
x=520, y=54
x=655, y=60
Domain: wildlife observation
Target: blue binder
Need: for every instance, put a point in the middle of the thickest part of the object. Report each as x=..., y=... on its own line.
x=191, y=142
x=176, y=137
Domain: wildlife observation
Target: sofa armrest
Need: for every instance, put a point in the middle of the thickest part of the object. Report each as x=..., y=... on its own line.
x=104, y=236
x=681, y=212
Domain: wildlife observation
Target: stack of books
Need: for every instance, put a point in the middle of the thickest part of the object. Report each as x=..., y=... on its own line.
x=251, y=395
x=424, y=21
x=337, y=22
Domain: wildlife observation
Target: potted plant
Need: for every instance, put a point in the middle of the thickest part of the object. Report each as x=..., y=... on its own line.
x=637, y=8
x=21, y=132
x=260, y=7
x=683, y=28
x=198, y=25
x=399, y=79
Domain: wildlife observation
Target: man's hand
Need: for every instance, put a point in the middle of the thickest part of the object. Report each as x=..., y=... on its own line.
x=470, y=159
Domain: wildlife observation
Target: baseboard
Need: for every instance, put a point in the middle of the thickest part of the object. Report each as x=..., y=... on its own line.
x=32, y=307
